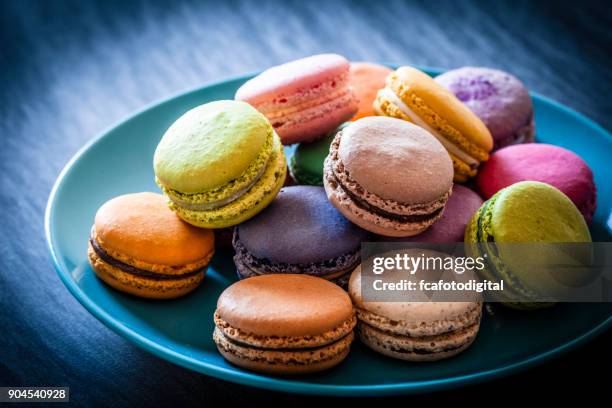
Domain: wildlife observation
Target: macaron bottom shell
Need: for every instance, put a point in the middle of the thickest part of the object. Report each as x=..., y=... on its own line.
x=247, y=205
x=417, y=349
x=141, y=286
x=283, y=362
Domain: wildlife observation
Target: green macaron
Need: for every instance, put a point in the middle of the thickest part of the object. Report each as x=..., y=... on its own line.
x=220, y=164
x=525, y=212
x=306, y=165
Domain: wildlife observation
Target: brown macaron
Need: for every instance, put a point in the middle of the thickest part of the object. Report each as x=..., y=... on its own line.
x=139, y=246
x=284, y=324
x=388, y=176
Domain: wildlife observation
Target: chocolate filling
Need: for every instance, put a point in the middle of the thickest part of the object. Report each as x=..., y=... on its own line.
x=137, y=271
x=286, y=349
x=398, y=217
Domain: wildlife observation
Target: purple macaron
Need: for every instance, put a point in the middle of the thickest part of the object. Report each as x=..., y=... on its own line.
x=499, y=99
x=299, y=232
x=460, y=208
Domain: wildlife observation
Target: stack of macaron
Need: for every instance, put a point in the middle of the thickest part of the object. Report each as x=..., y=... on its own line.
x=381, y=155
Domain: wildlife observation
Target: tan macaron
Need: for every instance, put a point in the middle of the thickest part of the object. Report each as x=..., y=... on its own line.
x=418, y=329
x=284, y=324
x=139, y=246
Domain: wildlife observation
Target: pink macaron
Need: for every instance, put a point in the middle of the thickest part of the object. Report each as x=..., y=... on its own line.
x=303, y=99
x=460, y=208
x=549, y=164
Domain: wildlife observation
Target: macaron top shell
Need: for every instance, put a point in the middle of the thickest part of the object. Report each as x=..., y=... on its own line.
x=300, y=227
x=443, y=102
x=459, y=209
x=141, y=226
x=531, y=211
x=211, y=145
x=284, y=305
x=294, y=76
x=550, y=164
x=499, y=99
x=418, y=308
x=366, y=79
x=396, y=160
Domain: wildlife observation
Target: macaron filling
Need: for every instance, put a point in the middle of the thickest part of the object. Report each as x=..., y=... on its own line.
x=284, y=342
x=416, y=119
x=389, y=209
x=249, y=264
x=104, y=256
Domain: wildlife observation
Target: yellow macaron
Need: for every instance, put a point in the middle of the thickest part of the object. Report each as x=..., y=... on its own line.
x=414, y=96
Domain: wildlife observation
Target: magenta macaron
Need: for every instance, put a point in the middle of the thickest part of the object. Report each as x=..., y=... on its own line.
x=549, y=164
x=460, y=208
x=499, y=99
x=303, y=99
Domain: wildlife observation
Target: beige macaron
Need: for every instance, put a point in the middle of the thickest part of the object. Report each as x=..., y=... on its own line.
x=284, y=324
x=419, y=328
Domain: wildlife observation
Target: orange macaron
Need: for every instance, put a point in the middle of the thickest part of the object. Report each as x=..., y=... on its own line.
x=139, y=246
x=366, y=79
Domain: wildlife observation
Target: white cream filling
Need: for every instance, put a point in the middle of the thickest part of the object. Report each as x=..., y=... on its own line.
x=220, y=203
x=390, y=94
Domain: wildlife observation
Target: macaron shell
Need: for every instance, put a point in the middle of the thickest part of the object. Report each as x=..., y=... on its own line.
x=249, y=204
x=396, y=160
x=415, y=349
x=446, y=104
x=291, y=77
x=284, y=305
x=139, y=286
x=300, y=227
x=499, y=99
x=546, y=163
x=366, y=79
x=314, y=123
x=284, y=362
x=531, y=211
x=459, y=209
x=414, y=318
x=211, y=145
x=142, y=227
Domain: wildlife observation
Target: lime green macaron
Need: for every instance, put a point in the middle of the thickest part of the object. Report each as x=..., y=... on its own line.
x=306, y=164
x=525, y=212
x=220, y=164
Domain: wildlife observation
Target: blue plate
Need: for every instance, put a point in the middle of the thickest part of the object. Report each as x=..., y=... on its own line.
x=120, y=161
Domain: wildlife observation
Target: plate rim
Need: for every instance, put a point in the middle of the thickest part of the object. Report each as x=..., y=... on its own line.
x=274, y=383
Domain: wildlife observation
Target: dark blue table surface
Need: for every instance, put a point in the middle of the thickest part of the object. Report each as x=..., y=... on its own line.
x=70, y=69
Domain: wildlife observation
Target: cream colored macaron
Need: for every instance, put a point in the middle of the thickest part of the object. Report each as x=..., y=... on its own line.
x=417, y=329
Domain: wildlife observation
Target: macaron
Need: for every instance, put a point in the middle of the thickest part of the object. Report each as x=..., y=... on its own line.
x=139, y=246
x=388, y=176
x=284, y=324
x=525, y=212
x=299, y=233
x=414, y=96
x=549, y=164
x=416, y=329
x=460, y=208
x=499, y=99
x=303, y=99
x=366, y=79
x=306, y=164
x=220, y=164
